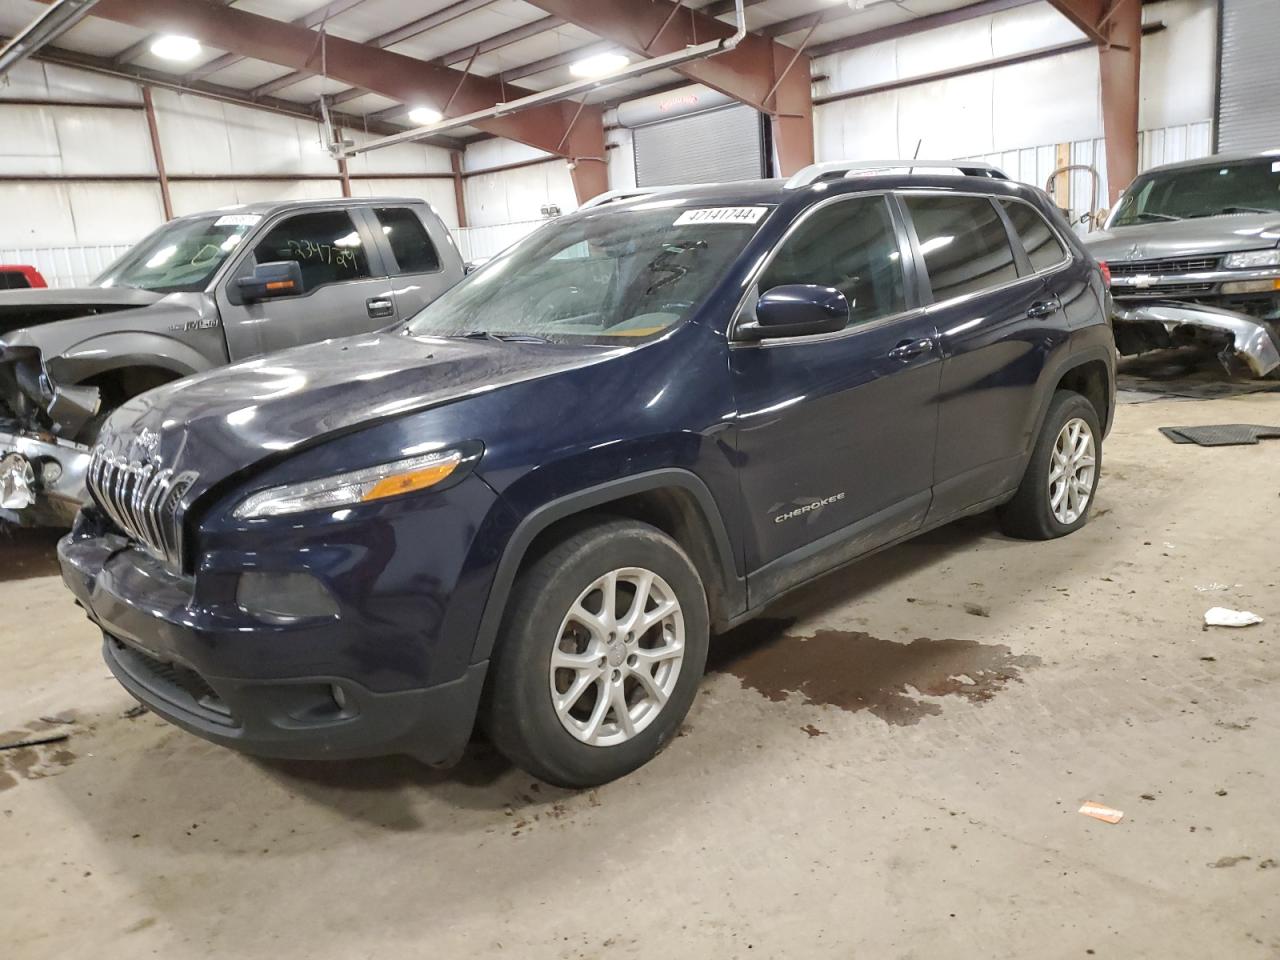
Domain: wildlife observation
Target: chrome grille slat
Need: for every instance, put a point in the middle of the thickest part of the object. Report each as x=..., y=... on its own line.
x=143, y=500
x=1166, y=267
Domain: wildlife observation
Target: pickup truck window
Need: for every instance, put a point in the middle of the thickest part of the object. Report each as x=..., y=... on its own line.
x=609, y=277
x=182, y=256
x=1044, y=250
x=1250, y=186
x=965, y=244
x=849, y=245
x=326, y=245
x=410, y=244
x=13, y=280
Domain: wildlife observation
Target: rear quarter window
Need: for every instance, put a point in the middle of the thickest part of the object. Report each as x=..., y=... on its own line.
x=410, y=243
x=1044, y=250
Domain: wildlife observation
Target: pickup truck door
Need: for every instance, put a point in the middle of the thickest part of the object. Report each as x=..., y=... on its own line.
x=836, y=432
x=346, y=289
x=419, y=252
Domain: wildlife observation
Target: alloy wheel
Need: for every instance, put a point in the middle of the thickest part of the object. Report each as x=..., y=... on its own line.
x=1071, y=471
x=617, y=656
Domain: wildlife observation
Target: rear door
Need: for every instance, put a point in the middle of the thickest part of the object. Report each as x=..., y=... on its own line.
x=998, y=319
x=420, y=254
x=346, y=289
x=836, y=432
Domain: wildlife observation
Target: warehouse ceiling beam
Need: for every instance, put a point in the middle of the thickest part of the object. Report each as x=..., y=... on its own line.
x=399, y=77
x=1116, y=27
x=760, y=72
x=60, y=17
x=404, y=32
x=105, y=66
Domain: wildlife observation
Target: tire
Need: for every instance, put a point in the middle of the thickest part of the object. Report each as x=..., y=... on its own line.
x=556, y=607
x=1032, y=514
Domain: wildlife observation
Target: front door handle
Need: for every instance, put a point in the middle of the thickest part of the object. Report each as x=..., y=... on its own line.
x=1044, y=308
x=380, y=307
x=911, y=348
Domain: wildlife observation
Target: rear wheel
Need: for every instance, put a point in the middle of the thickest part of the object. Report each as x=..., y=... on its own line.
x=1058, y=487
x=604, y=641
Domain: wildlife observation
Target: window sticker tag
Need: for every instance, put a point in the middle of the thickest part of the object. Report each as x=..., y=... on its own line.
x=237, y=220
x=1275, y=167
x=721, y=215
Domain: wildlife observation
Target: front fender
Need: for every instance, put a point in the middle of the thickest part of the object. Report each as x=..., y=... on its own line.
x=119, y=351
x=590, y=498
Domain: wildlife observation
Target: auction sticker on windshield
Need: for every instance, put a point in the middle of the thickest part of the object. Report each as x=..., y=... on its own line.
x=721, y=215
x=237, y=220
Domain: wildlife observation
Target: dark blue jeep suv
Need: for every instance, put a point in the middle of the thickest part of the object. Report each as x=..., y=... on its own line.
x=532, y=504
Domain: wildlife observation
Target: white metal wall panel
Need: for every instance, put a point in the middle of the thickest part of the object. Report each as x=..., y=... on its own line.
x=480, y=243
x=51, y=214
x=438, y=193
x=510, y=196
x=709, y=147
x=193, y=196
x=31, y=80
x=401, y=158
x=1249, y=95
x=96, y=142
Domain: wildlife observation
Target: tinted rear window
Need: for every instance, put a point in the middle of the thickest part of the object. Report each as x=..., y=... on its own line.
x=1038, y=239
x=966, y=247
x=412, y=247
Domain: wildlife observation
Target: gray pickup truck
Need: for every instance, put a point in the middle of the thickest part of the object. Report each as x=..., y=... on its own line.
x=1194, y=254
x=200, y=292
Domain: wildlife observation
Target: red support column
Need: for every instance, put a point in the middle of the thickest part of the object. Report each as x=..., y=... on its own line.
x=165, y=199
x=1121, y=64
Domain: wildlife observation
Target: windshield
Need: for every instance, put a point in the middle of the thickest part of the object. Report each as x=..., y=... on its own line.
x=1252, y=186
x=181, y=256
x=610, y=277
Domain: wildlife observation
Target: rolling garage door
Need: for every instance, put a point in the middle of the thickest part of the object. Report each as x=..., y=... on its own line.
x=722, y=144
x=1249, y=91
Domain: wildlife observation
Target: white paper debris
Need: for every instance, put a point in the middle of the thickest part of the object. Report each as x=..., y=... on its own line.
x=1222, y=617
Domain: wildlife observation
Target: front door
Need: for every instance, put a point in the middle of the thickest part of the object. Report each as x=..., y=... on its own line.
x=836, y=432
x=345, y=288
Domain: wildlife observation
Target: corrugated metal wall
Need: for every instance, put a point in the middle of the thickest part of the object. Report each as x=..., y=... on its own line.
x=1249, y=95
x=216, y=154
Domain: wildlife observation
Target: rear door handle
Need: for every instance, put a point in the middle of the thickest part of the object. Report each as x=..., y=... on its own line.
x=911, y=348
x=380, y=307
x=1044, y=308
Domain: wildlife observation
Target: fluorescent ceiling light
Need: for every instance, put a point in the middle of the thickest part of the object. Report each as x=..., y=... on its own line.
x=425, y=115
x=172, y=47
x=601, y=65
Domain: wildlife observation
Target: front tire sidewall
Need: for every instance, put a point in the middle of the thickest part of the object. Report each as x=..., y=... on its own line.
x=1066, y=407
x=525, y=725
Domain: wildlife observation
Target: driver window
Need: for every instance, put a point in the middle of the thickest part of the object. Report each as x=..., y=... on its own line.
x=850, y=245
x=326, y=245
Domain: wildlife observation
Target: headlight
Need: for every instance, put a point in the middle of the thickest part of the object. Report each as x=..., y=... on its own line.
x=1252, y=260
x=358, y=486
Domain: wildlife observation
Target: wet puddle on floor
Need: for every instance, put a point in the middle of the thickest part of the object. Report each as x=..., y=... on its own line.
x=39, y=760
x=856, y=671
x=27, y=553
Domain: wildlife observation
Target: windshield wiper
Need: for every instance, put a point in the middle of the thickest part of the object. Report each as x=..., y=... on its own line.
x=1247, y=210
x=1153, y=216
x=502, y=337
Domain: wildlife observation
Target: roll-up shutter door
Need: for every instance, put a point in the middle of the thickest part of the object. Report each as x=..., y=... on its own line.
x=707, y=147
x=1249, y=91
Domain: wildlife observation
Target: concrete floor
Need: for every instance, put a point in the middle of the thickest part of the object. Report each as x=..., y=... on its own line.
x=889, y=767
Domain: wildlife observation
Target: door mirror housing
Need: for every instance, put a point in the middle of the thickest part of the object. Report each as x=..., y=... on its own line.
x=279, y=278
x=796, y=310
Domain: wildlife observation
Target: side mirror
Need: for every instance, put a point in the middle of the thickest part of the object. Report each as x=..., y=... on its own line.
x=280, y=278
x=796, y=310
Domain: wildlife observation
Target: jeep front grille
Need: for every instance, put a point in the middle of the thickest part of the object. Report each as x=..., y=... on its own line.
x=143, y=500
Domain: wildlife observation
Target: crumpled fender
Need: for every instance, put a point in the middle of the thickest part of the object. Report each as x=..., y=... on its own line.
x=1252, y=340
x=116, y=351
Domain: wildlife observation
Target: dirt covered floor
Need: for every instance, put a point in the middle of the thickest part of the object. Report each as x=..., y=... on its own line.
x=890, y=765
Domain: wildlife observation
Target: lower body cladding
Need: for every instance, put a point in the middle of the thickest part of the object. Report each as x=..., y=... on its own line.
x=41, y=480
x=225, y=659
x=1249, y=345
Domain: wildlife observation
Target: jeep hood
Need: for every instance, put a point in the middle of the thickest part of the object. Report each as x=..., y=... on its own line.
x=28, y=308
x=1186, y=238
x=221, y=422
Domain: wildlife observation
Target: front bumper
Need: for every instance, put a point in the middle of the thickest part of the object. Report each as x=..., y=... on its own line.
x=1250, y=346
x=187, y=661
x=42, y=480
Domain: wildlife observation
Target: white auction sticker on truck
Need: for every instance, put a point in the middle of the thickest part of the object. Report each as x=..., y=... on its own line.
x=721, y=215
x=237, y=220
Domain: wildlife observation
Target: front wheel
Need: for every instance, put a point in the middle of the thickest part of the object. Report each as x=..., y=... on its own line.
x=604, y=641
x=1058, y=489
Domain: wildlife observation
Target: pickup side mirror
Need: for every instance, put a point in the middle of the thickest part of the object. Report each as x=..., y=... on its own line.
x=280, y=278
x=795, y=310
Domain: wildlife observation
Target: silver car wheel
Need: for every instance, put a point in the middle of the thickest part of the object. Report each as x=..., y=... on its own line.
x=617, y=657
x=1071, y=472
